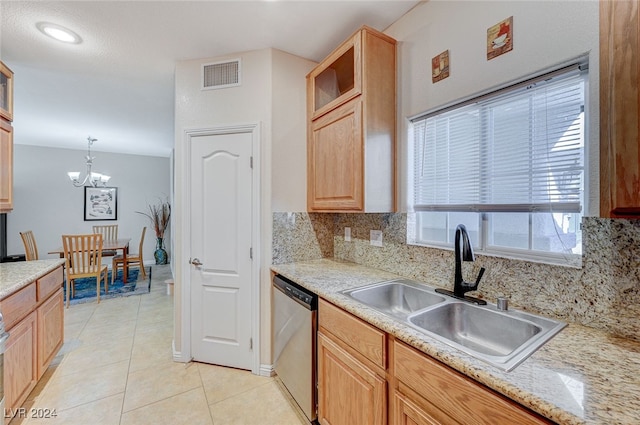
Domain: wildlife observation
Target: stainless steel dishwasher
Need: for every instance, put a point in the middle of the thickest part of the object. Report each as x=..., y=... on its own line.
x=294, y=342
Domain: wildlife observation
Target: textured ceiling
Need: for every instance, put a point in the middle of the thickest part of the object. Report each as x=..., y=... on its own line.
x=117, y=85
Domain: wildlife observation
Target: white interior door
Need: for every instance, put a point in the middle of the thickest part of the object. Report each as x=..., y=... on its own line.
x=221, y=237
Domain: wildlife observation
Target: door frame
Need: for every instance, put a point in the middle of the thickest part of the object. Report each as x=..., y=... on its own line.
x=185, y=228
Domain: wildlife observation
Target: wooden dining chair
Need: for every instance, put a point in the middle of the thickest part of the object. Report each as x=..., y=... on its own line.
x=83, y=258
x=132, y=260
x=30, y=246
x=109, y=232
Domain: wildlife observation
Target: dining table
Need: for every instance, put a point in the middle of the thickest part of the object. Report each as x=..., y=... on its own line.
x=108, y=245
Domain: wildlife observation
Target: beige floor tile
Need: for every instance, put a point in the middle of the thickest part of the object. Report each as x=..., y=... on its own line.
x=125, y=313
x=221, y=383
x=72, y=390
x=153, y=316
x=157, y=332
x=105, y=411
x=189, y=408
x=264, y=405
x=80, y=313
x=73, y=330
x=107, y=331
x=96, y=355
x=150, y=385
x=154, y=354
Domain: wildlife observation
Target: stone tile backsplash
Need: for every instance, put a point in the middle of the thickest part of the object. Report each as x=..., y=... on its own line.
x=604, y=293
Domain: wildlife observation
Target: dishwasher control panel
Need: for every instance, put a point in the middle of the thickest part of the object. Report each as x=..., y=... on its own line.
x=296, y=292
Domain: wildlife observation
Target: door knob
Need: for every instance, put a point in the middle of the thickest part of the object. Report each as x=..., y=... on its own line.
x=196, y=262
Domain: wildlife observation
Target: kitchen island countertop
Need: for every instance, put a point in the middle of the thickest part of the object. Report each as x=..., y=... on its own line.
x=581, y=376
x=14, y=276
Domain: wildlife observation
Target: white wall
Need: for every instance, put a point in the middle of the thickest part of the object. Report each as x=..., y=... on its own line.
x=272, y=94
x=289, y=153
x=47, y=203
x=545, y=33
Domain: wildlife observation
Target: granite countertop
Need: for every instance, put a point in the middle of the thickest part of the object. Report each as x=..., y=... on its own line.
x=14, y=276
x=581, y=376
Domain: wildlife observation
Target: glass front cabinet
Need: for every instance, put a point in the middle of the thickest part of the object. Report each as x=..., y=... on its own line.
x=6, y=92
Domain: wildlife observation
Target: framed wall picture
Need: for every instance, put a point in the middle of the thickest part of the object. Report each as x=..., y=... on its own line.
x=100, y=203
x=500, y=38
x=440, y=67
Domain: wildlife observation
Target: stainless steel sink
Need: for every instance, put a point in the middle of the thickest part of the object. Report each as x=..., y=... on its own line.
x=502, y=338
x=397, y=298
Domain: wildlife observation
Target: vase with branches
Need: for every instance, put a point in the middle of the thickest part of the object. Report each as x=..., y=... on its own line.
x=159, y=215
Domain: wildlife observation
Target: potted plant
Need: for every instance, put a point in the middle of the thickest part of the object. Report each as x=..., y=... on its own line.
x=159, y=214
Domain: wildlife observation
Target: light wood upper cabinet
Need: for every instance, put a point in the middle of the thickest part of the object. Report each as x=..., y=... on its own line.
x=6, y=139
x=6, y=166
x=619, y=109
x=6, y=92
x=351, y=133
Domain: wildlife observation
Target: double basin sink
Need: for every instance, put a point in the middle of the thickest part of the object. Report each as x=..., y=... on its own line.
x=502, y=338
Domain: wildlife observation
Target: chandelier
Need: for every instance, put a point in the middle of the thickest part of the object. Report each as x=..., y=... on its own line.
x=95, y=179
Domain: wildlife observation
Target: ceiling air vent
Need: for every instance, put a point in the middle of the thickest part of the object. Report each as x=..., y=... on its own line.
x=219, y=75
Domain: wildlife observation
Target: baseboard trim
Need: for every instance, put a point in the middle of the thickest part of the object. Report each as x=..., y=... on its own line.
x=267, y=370
x=177, y=355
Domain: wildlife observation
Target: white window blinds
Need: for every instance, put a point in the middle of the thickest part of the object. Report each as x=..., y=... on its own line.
x=517, y=150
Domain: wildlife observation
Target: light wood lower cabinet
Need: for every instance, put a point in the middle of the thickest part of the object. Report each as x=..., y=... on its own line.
x=34, y=318
x=348, y=391
x=432, y=393
x=407, y=412
x=50, y=330
x=20, y=362
x=368, y=377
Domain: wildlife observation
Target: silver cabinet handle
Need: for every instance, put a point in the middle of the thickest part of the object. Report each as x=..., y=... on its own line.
x=196, y=262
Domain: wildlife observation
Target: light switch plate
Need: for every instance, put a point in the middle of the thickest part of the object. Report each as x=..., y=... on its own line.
x=347, y=234
x=375, y=237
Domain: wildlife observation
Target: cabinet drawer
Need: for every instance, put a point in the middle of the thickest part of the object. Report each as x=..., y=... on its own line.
x=48, y=284
x=18, y=305
x=463, y=399
x=362, y=337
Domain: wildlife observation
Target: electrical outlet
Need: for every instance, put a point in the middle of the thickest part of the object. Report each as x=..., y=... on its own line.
x=291, y=218
x=347, y=234
x=375, y=237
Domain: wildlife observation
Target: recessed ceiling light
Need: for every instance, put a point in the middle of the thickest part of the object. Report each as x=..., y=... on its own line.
x=59, y=33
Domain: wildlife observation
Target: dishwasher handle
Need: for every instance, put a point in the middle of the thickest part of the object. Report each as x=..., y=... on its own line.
x=302, y=296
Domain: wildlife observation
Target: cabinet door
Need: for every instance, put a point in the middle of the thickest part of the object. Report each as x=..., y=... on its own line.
x=6, y=166
x=337, y=79
x=20, y=362
x=454, y=394
x=336, y=170
x=619, y=109
x=407, y=412
x=348, y=392
x=50, y=330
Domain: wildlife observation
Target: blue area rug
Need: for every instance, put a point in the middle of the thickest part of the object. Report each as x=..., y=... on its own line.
x=85, y=288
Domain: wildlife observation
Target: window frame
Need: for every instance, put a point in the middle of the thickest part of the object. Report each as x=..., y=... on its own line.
x=482, y=244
